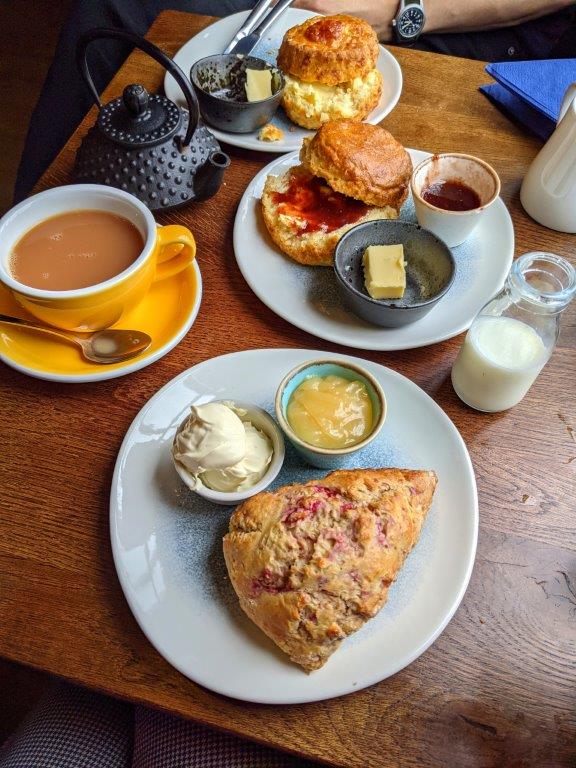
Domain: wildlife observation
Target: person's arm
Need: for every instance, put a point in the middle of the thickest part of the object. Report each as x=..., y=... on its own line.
x=442, y=15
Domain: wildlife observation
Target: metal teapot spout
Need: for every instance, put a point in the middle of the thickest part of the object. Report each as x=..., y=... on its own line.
x=208, y=177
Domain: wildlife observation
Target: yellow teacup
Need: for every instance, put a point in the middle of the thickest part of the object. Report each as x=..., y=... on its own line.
x=167, y=250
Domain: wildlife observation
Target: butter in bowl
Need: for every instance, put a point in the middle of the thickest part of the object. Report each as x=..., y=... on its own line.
x=237, y=94
x=391, y=273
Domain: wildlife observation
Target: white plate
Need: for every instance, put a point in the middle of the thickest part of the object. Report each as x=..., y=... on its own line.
x=167, y=542
x=216, y=37
x=308, y=298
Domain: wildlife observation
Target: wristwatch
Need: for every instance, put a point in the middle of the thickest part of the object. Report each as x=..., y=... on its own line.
x=409, y=21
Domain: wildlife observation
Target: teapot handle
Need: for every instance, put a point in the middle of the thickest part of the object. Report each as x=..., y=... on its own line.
x=151, y=50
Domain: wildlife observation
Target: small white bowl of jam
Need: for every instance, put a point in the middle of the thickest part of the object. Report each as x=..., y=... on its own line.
x=451, y=194
x=330, y=409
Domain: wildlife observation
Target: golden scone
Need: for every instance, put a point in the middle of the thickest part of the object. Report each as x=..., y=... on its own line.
x=329, y=49
x=360, y=160
x=312, y=104
x=312, y=562
x=306, y=218
x=329, y=66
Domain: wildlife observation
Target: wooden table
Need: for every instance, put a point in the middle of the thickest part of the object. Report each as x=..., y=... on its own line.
x=497, y=688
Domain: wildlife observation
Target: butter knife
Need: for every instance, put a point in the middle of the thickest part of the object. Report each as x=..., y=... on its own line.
x=252, y=20
x=246, y=44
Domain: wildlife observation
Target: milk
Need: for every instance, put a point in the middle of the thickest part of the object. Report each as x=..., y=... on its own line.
x=498, y=363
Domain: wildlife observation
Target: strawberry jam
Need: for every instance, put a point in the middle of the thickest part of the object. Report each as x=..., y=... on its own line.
x=318, y=207
x=451, y=196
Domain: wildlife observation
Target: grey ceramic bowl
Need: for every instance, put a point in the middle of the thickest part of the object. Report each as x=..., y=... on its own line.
x=219, y=82
x=430, y=271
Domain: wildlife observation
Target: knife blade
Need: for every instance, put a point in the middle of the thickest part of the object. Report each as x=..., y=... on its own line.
x=252, y=20
x=247, y=44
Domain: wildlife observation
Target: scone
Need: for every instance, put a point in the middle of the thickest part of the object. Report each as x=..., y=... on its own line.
x=360, y=160
x=310, y=105
x=329, y=63
x=312, y=562
x=305, y=218
x=351, y=172
x=329, y=49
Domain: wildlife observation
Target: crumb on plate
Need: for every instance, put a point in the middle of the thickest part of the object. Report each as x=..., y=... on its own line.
x=270, y=133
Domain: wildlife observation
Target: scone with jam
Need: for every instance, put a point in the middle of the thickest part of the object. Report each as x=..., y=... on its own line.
x=312, y=562
x=329, y=63
x=350, y=173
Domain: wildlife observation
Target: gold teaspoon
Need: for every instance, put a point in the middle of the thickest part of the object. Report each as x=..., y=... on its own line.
x=104, y=347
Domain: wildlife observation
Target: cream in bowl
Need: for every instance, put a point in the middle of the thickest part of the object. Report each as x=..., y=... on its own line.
x=227, y=451
x=451, y=193
x=330, y=409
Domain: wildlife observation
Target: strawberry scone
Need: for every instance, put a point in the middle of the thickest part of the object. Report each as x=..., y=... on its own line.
x=312, y=562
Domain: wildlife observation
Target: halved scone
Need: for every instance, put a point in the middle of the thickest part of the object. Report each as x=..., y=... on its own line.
x=360, y=160
x=304, y=215
x=351, y=173
x=313, y=104
x=312, y=562
x=329, y=63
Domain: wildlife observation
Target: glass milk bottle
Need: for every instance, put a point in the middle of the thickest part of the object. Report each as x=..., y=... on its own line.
x=512, y=337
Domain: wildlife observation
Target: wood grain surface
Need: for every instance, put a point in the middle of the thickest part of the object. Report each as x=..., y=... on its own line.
x=497, y=688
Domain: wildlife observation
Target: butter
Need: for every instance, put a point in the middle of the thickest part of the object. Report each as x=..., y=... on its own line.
x=384, y=273
x=258, y=84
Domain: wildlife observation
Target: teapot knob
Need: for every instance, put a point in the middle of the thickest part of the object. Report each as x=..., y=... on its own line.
x=135, y=98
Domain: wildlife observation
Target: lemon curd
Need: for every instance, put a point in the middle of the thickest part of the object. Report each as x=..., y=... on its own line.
x=330, y=412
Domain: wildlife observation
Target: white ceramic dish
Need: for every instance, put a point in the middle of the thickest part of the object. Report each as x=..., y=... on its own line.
x=167, y=542
x=263, y=421
x=308, y=298
x=454, y=227
x=216, y=37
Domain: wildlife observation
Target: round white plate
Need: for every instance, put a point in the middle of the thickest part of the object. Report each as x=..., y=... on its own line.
x=308, y=297
x=216, y=37
x=167, y=541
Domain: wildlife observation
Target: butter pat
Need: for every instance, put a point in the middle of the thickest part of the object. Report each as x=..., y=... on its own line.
x=258, y=84
x=384, y=273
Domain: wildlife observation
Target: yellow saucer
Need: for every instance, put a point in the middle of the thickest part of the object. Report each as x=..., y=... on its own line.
x=166, y=313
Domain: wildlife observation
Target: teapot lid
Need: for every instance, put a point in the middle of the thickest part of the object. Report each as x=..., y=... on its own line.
x=138, y=118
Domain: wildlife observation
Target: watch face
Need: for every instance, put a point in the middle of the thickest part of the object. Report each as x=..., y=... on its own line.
x=411, y=22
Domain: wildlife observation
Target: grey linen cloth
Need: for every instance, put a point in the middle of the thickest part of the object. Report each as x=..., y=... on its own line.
x=71, y=727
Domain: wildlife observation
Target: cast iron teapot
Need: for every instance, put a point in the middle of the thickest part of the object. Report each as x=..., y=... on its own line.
x=145, y=144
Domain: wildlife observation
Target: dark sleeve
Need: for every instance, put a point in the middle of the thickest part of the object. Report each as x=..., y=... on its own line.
x=547, y=37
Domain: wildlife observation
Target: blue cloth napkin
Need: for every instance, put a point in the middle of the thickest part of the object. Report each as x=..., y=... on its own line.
x=519, y=111
x=531, y=92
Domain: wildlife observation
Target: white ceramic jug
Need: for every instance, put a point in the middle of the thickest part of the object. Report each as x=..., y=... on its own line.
x=548, y=191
